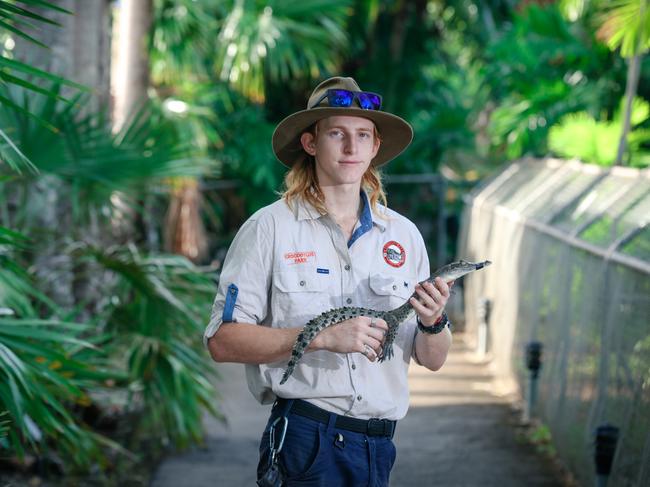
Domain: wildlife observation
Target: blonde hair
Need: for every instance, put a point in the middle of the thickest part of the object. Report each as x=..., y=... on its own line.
x=302, y=181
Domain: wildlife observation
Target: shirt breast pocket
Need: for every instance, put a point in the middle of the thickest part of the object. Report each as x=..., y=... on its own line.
x=388, y=291
x=299, y=295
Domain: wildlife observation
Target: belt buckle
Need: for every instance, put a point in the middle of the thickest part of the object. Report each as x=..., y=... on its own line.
x=376, y=427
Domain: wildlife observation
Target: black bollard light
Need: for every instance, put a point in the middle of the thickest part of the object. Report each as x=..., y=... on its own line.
x=604, y=451
x=534, y=358
x=534, y=364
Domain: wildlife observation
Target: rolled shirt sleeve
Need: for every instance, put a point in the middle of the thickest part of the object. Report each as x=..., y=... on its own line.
x=242, y=294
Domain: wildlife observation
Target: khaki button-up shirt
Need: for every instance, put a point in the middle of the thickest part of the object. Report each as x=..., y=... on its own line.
x=286, y=266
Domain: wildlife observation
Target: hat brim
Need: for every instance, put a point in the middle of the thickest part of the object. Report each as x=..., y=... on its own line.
x=395, y=132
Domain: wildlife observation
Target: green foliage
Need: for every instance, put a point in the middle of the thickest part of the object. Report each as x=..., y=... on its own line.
x=84, y=156
x=16, y=73
x=541, y=69
x=41, y=377
x=143, y=342
x=626, y=24
x=640, y=361
x=153, y=308
x=46, y=367
x=579, y=135
x=279, y=39
x=4, y=424
x=542, y=439
x=83, y=149
x=446, y=99
x=247, y=43
x=155, y=321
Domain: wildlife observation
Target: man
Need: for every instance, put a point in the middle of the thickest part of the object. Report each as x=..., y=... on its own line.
x=330, y=243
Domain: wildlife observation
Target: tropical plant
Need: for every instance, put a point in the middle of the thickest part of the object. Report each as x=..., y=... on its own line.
x=16, y=73
x=46, y=367
x=542, y=68
x=41, y=379
x=278, y=40
x=55, y=369
x=155, y=321
x=579, y=135
x=154, y=310
x=626, y=24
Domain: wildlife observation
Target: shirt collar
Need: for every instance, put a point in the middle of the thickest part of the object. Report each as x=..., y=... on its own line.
x=303, y=210
x=368, y=216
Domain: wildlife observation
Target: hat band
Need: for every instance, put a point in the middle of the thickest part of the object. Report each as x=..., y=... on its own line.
x=344, y=98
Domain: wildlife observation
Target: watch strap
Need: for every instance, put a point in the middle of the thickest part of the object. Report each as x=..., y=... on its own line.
x=437, y=327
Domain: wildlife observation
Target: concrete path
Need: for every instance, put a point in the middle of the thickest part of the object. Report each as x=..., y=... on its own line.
x=456, y=434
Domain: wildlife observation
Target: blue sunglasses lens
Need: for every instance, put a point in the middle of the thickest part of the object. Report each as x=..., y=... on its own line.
x=340, y=98
x=369, y=101
x=345, y=98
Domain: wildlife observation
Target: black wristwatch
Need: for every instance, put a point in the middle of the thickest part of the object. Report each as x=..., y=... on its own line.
x=436, y=327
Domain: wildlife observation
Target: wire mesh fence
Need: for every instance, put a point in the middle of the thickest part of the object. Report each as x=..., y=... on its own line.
x=571, y=249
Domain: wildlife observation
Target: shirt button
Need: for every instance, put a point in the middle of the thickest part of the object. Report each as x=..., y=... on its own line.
x=302, y=283
x=349, y=300
x=347, y=267
x=354, y=367
x=359, y=397
x=394, y=287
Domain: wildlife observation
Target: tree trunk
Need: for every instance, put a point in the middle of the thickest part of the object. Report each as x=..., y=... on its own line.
x=184, y=230
x=633, y=73
x=131, y=59
x=78, y=49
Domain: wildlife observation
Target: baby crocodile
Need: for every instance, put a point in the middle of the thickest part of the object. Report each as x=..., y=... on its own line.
x=393, y=317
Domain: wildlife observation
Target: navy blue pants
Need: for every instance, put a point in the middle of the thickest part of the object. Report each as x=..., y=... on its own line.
x=318, y=454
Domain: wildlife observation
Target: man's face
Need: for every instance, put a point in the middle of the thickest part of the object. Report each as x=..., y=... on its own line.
x=343, y=148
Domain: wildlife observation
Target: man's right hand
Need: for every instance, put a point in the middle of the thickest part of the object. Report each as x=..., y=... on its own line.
x=363, y=335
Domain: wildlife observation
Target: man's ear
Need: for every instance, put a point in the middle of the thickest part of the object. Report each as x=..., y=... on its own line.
x=308, y=142
x=376, y=146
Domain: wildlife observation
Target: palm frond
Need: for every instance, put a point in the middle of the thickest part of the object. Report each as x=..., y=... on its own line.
x=157, y=322
x=626, y=24
x=10, y=16
x=39, y=378
x=278, y=40
x=84, y=152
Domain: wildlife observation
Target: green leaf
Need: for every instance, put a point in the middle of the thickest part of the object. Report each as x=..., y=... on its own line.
x=626, y=24
x=18, y=32
x=10, y=8
x=27, y=69
x=42, y=3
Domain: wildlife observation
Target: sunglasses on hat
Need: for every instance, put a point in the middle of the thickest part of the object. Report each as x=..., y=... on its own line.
x=345, y=98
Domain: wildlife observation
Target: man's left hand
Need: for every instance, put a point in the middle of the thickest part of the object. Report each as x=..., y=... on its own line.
x=432, y=300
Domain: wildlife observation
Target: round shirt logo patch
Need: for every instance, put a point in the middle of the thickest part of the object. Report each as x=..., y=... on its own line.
x=394, y=254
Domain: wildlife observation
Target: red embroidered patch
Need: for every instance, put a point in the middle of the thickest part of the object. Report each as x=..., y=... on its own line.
x=394, y=254
x=299, y=257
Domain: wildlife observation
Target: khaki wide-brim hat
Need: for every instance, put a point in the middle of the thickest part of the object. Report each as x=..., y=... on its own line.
x=396, y=134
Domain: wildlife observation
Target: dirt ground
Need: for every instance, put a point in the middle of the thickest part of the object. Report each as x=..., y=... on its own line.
x=457, y=433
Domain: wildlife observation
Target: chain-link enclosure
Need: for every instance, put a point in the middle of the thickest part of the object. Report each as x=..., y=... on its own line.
x=570, y=245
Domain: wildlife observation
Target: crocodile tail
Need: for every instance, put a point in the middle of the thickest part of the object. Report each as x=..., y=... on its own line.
x=288, y=371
